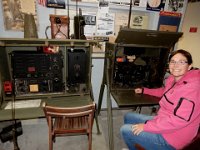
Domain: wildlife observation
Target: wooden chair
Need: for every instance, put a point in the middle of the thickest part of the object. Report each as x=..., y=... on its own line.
x=69, y=121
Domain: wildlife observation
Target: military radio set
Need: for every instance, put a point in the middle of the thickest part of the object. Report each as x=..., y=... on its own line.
x=138, y=58
x=34, y=71
x=39, y=73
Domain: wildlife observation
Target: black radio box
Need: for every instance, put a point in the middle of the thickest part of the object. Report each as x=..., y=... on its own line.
x=138, y=58
x=36, y=72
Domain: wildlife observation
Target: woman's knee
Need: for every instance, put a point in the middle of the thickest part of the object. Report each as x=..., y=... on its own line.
x=135, y=118
x=130, y=117
x=125, y=130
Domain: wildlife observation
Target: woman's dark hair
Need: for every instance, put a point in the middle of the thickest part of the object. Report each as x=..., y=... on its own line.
x=184, y=53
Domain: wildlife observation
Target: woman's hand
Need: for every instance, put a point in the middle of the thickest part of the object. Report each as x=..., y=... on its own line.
x=138, y=90
x=137, y=128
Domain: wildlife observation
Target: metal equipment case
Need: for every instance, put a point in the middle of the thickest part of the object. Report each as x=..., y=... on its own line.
x=33, y=71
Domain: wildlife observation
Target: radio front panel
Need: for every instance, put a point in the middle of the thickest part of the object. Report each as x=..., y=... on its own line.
x=137, y=66
x=78, y=71
x=35, y=71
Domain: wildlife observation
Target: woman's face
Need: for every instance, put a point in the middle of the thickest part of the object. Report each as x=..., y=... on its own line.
x=178, y=66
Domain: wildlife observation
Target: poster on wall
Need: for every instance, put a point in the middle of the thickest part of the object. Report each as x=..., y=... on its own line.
x=105, y=20
x=90, y=24
x=105, y=24
x=59, y=4
x=169, y=21
x=140, y=3
x=89, y=0
x=155, y=5
x=13, y=13
x=103, y=6
x=139, y=22
x=175, y=6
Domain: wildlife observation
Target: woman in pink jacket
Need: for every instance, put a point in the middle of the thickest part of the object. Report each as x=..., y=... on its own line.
x=178, y=118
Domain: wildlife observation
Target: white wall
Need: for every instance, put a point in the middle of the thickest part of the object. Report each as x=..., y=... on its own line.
x=191, y=41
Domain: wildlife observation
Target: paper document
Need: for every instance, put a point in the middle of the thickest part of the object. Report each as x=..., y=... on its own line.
x=24, y=104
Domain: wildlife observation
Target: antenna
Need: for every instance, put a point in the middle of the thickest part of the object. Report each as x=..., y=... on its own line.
x=69, y=19
x=129, y=17
x=80, y=12
x=76, y=7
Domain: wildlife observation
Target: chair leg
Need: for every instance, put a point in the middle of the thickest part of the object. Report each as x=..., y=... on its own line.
x=90, y=141
x=50, y=142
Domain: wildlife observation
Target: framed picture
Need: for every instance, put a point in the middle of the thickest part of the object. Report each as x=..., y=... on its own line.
x=59, y=4
x=13, y=13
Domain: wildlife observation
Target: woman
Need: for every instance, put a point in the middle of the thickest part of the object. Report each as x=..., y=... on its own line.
x=178, y=118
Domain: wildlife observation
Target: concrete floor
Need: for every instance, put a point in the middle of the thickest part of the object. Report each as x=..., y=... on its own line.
x=35, y=135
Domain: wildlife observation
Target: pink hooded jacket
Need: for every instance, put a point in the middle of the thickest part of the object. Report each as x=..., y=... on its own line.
x=178, y=118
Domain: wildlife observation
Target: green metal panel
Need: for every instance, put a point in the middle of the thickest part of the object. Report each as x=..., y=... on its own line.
x=4, y=66
x=36, y=112
x=63, y=99
x=147, y=37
